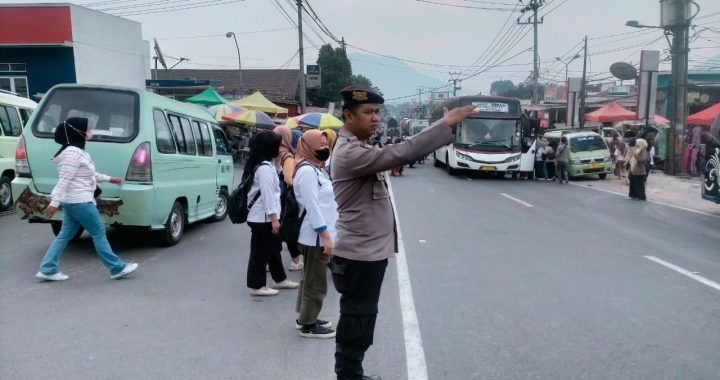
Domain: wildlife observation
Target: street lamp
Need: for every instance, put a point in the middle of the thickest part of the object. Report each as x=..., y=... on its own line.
x=240, y=87
x=566, y=65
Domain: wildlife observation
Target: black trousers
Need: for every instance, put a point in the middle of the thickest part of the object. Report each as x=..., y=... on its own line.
x=637, y=187
x=359, y=284
x=265, y=248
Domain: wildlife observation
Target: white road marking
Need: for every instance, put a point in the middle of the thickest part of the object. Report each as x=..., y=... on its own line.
x=651, y=201
x=686, y=272
x=516, y=200
x=467, y=178
x=414, y=352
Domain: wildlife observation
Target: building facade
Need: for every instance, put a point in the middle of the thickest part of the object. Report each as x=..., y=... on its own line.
x=45, y=44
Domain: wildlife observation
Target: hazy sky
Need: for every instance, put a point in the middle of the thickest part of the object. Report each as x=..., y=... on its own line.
x=414, y=31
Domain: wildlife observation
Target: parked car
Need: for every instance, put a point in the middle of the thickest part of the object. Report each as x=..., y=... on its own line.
x=14, y=113
x=589, y=153
x=174, y=159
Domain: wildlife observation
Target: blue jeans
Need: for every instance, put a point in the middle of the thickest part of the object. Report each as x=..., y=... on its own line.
x=87, y=216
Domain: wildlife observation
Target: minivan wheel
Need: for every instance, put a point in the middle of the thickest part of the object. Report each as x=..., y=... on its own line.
x=602, y=175
x=6, y=199
x=57, y=226
x=221, y=207
x=174, y=226
x=436, y=162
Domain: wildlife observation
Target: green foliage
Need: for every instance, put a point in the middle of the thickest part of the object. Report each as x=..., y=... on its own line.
x=336, y=74
x=521, y=91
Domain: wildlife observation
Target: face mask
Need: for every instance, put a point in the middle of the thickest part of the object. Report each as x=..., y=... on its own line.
x=322, y=154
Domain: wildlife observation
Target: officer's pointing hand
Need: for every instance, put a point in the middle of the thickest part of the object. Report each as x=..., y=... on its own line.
x=457, y=114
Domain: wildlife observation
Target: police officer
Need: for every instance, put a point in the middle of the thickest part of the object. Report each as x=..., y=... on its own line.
x=366, y=231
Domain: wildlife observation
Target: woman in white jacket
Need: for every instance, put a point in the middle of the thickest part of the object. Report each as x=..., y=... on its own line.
x=314, y=193
x=75, y=193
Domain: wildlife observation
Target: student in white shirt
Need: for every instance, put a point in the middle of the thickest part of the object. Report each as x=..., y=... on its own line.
x=75, y=193
x=314, y=193
x=264, y=217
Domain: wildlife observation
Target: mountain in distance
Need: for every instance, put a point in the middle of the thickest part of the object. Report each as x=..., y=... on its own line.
x=393, y=77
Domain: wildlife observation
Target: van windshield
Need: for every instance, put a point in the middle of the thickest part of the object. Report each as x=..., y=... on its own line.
x=587, y=143
x=112, y=114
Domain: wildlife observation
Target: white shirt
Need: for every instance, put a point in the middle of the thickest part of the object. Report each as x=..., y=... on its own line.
x=267, y=182
x=77, y=177
x=319, y=201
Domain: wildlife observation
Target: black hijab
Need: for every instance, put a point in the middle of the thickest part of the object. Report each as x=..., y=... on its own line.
x=71, y=132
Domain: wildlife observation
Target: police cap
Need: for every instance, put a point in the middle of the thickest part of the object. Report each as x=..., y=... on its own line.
x=360, y=95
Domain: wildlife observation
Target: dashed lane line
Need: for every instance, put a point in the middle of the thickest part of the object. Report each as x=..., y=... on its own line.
x=516, y=200
x=686, y=272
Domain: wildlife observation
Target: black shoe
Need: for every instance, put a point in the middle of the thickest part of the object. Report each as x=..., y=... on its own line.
x=321, y=322
x=317, y=331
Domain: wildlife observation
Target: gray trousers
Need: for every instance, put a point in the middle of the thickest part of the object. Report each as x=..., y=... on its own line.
x=313, y=285
x=562, y=170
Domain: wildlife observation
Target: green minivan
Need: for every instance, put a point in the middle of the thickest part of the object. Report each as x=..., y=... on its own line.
x=589, y=153
x=14, y=113
x=174, y=159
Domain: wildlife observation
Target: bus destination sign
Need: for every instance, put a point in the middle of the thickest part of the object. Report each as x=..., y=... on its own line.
x=491, y=107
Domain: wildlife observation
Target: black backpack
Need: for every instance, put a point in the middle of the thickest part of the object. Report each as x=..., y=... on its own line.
x=290, y=218
x=238, y=207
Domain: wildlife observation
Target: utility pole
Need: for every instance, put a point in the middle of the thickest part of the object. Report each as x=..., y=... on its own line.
x=533, y=6
x=455, y=79
x=419, y=88
x=583, y=89
x=302, y=59
x=679, y=52
x=342, y=43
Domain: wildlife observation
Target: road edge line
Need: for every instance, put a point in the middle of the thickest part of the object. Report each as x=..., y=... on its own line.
x=685, y=272
x=650, y=201
x=414, y=352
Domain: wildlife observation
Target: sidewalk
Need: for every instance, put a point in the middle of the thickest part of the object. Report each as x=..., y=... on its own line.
x=676, y=191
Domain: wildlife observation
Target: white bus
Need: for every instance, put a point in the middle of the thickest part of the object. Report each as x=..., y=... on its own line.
x=494, y=139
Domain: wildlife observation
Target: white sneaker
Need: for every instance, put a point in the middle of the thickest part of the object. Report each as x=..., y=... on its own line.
x=59, y=276
x=294, y=267
x=285, y=284
x=129, y=268
x=264, y=291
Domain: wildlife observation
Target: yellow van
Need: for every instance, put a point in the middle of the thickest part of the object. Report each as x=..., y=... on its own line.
x=589, y=153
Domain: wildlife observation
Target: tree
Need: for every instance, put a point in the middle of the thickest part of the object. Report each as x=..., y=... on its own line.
x=501, y=86
x=336, y=74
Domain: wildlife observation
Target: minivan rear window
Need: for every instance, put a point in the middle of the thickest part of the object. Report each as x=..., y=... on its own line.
x=112, y=114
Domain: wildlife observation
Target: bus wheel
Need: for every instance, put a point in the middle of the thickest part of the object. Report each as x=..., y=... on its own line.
x=436, y=162
x=221, y=207
x=57, y=226
x=602, y=175
x=174, y=226
x=449, y=168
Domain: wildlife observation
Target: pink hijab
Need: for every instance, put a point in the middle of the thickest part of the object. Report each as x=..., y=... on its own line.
x=307, y=145
x=285, y=147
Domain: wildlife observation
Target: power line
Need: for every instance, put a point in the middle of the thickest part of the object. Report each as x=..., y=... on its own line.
x=467, y=6
x=177, y=8
x=223, y=35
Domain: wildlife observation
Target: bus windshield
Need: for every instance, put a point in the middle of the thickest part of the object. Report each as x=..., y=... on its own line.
x=489, y=134
x=587, y=143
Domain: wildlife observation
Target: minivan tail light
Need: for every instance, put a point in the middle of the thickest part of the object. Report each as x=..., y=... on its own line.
x=140, y=168
x=22, y=167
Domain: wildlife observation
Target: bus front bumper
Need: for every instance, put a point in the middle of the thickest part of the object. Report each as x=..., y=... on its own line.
x=489, y=167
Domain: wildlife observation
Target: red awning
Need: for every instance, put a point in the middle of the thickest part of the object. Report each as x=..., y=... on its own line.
x=704, y=117
x=611, y=112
